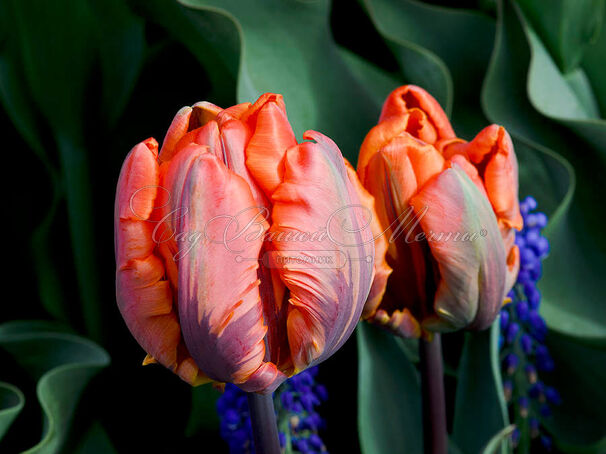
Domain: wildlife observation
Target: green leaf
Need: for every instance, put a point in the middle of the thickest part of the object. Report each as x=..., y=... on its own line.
x=593, y=65
x=418, y=65
x=577, y=245
x=62, y=364
x=440, y=58
x=480, y=408
x=57, y=73
x=568, y=100
x=566, y=27
x=579, y=424
x=56, y=70
x=11, y=403
x=495, y=444
x=389, y=396
x=306, y=67
x=378, y=82
x=120, y=39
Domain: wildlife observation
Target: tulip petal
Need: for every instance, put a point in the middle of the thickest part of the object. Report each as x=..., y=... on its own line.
x=420, y=126
x=326, y=300
x=235, y=135
x=381, y=269
x=177, y=129
x=144, y=297
x=210, y=136
x=186, y=120
x=138, y=182
x=470, y=170
x=377, y=138
x=513, y=257
x=233, y=112
x=271, y=138
x=403, y=99
x=400, y=322
x=472, y=267
x=222, y=319
x=393, y=183
x=492, y=152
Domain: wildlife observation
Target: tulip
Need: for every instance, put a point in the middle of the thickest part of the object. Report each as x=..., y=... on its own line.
x=448, y=209
x=223, y=241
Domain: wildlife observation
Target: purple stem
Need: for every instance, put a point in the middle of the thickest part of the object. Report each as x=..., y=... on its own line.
x=264, y=426
x=435, y=438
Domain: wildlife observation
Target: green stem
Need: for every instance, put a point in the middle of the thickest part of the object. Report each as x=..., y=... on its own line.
x=263, y=419
x=435, y=438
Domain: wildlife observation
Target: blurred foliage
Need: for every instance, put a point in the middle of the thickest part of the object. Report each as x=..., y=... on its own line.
x=82, y=82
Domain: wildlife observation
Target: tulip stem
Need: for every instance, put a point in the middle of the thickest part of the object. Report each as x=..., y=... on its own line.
x=435, y=438
x=264, y=426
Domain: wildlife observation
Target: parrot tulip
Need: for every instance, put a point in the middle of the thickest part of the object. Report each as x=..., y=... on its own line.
x=241, y=255
x=447, y=211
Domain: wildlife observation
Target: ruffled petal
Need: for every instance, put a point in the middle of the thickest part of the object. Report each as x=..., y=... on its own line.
x=271, y=138
x=381, y=269
x=513, y=258
x=393, y=183
x=235, y=136
x=233, y=112
x=492, y=152
x=403, y=99
x=328, y=275
x=186, y=120
x=377, y=138
x=210, y=136
x=143, y=294
x=401, y=322
x=138, y=184
x=464, y=238
x=222, y=316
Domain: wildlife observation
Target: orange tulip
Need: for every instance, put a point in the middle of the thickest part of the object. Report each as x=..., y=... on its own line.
x=241, y=255
x=447, y=209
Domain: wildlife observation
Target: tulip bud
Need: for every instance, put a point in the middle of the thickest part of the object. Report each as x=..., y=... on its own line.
x=448, y=209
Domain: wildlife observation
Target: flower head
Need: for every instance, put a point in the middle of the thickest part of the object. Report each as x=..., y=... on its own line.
x=447, y=212
x=240, y=253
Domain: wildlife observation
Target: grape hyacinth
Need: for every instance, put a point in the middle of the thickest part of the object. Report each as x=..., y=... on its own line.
x=298, y=420
x=524, y=356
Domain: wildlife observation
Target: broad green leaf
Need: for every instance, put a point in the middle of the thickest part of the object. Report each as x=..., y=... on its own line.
x=62, y=364
x=120, y=39
x=480, y=408
x=566, y=27
x=567, y=100
x=389, y=396
x=577, y=246
x=418, y=65
x=306, y=67
x=440, y=58
x=11, y=403
x=56, y=70
x=579, y=424
x=21, y=110
x=378, y=82
x=495, y=444
x=57, y=73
